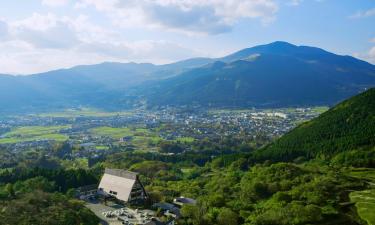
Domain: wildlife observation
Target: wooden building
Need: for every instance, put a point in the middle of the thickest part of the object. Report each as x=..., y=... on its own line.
x=122, y=185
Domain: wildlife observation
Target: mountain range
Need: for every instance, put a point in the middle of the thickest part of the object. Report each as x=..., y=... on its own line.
x=279, y=74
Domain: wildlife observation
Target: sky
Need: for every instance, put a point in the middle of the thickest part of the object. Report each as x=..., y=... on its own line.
x=43, y=35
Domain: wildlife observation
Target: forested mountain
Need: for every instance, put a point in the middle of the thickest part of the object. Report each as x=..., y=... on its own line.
x=348, y=128
x=102, y=85
x=275, y=75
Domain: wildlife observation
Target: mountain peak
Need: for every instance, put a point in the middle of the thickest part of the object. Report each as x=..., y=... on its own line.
x=280, y=44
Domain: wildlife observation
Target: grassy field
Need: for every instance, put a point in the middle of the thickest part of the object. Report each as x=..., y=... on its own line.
x=34, y=133
x=365, y=200
x=115, y=133
x=185, y=139
x=363, y=173
x=84, y=112
x=365, y=203
x=320, y=109
x=100, y=147
x=140, y=137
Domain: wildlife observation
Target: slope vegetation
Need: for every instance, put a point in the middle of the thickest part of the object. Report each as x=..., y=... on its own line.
x=348, y=126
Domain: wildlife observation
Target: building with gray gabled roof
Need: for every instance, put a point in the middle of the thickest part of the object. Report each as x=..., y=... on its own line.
x=122, y=185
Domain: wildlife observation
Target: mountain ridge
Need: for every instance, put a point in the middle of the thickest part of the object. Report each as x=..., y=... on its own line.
x=273, y=75
x=252, y=74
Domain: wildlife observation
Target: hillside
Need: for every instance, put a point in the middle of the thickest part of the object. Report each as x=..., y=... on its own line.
x=103, y=85
x=275, y=75
x=348, y=126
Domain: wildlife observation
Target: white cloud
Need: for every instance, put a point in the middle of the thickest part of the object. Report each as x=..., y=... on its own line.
x=45, y=41
x=55, y=3
x=3, y=30
x=371, y=55
x=295, y=2
x=140, y=51
x=23, y=58
x=368, y=56
x=45, y=31
x=363, y=14
x=188, y=16
x=299, y=2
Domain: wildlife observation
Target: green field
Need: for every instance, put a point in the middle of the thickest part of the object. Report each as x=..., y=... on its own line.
x=143, y=139
x=185, y=139
x=86, y=112
x=365, y=203
x=34, y=133
x=365, y=200
x=363, y=173
x=112, y=132
x=101, y=147
x=320, y=109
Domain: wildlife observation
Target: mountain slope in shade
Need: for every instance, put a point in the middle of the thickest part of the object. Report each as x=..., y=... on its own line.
x=348, y=126
x=102, y=85
x=275, y=75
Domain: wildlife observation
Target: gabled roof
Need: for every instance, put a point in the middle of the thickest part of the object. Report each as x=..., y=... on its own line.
x=119, y=181
x=121, y=173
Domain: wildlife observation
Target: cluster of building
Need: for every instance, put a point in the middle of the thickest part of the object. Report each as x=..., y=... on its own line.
x=126, y=188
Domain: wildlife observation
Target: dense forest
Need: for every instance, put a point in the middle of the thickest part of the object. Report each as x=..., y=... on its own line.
x=349, y=126
x=39, y=200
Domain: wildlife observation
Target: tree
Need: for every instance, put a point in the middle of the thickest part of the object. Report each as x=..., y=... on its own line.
x=227, y=217
x=9, y=188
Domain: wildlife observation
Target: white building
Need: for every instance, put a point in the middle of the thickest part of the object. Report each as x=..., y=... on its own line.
x=123, y=185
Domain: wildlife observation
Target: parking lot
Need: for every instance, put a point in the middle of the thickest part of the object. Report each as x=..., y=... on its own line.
x=114, y=214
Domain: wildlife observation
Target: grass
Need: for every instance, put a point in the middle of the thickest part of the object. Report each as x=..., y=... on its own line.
x=86, y=112
x=112, y=132
x=364, y=200
x=34, y=133
x=320, y=109
x=185, y=139
x=142, y=138
x=365, y=203
x=363, y=173
x=101, y=147
x=186, y=170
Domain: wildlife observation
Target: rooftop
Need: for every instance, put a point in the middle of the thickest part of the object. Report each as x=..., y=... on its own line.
x=121, y=173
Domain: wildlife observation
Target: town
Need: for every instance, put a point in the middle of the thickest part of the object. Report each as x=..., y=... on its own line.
x=144, y=129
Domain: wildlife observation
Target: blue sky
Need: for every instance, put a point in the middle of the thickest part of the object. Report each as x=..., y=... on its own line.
x=41, y=35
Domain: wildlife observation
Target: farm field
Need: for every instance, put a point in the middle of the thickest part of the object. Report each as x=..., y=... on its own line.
x=138, y=137
x=363, y=173
x=117, y=133
x=365, y=203
x=34, y=133
x=365, y=200
x=85, y=112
